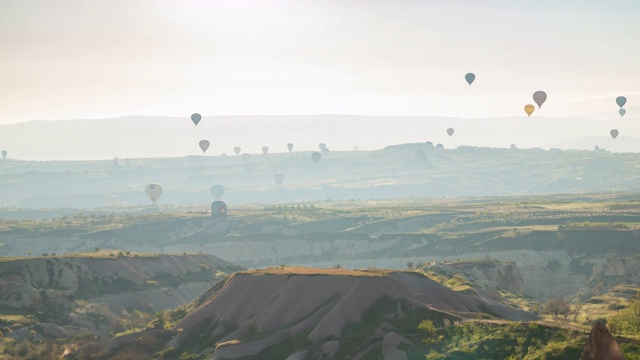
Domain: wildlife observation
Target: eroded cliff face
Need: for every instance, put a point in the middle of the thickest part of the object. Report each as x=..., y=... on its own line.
x=615, y=270
x=484, y=274
x=552, y=262
x=68, y=294
x=625, y=267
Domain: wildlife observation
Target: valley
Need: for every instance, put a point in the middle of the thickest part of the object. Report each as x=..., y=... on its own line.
x=318, y=272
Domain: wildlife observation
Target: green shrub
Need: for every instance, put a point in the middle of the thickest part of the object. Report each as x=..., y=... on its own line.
x=430, y=331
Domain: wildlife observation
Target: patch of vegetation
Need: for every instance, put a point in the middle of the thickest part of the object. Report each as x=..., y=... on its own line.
x=504, y=340
x=586, y=225
x=627, y=320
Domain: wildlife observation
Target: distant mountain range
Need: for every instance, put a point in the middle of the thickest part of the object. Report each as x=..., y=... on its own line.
x=157, y=136
x=620, y=144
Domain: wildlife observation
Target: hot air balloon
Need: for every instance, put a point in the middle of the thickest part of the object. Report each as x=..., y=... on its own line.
x=614, y=133
x=4, y=154
x=217, y=191
x=153, y=192
x=316, y=157
x=622, y=112
x=529, y=109
x=204, y=145
x=115, y=162
x=322, y=146
x=450, y=131
x=246, y=157
x=237, y=150
x=279, y=178
x=621, y=100
x=439, y=146
x=265, y=150
x=470, y=77
x=195, y=117
x=290, y=146
x=218, y=209
x=539, y=97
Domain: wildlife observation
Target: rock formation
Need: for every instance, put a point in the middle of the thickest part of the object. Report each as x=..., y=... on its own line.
x=602, y=345
x=280, y=303
x=73, y=291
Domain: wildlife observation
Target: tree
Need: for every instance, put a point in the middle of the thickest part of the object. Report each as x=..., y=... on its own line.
x=563, y=307
x=536, y=309
x=430, y=331
x=410, y=264
x=557, y=306
x=576, y=308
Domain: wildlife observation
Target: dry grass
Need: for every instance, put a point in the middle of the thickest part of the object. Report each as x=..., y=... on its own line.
x=299, y=270
x=102, y=254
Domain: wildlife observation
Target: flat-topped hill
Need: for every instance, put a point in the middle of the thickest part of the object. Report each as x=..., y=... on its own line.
x=252, y=312
x=301, y=270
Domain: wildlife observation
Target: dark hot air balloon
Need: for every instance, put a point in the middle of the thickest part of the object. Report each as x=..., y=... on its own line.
x=237, y=150
x=265, y=150
x=621, y=100
x=322, y=146
x=539, y=97
x=218, y=209
x=204, y=145
x=622, y=112
x=279, y=178
x=290, y=146
x=196, y=118
x=4, y=154
x=246, y=157
x=470, y=77
x=316, y=157
x=614, y=133
x=450, y=131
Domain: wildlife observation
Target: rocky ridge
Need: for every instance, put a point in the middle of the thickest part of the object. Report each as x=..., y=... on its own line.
x=71, y=295
x=317, y=307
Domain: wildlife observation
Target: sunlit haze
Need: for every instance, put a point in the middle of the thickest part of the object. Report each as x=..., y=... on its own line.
x=97, y=59
x=319, y=179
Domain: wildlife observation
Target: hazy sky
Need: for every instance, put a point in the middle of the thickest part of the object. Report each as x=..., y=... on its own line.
x=77, y=59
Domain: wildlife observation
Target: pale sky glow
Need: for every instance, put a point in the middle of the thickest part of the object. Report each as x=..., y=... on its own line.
x=79, y=59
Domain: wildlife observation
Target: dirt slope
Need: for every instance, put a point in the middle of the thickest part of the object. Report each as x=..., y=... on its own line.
x=251, y=312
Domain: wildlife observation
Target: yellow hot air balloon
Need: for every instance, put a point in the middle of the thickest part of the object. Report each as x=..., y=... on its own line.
x=529, y=109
